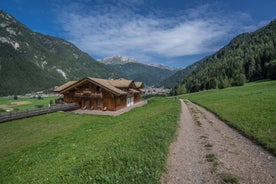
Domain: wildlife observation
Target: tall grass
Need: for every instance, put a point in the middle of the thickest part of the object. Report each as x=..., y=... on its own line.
x=131, y=148
x=250, y=109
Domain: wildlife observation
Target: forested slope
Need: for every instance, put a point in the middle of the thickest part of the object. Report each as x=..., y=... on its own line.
x=248, y=57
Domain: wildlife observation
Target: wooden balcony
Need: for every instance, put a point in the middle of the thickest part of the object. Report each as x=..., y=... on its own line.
x=89, y=95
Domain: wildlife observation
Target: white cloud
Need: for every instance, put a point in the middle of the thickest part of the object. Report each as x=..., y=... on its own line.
x=116, y=29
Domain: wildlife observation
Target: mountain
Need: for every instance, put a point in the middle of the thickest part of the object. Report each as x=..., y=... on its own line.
x=31, y=61
x=133, y=69
x=248, y=57
x=117, y=60
x=158, y=65
x=178, y=77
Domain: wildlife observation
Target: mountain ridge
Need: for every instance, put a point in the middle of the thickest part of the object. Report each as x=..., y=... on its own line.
x=31, y=61
x=114, y=60
x=137, y=71
x=247, y=57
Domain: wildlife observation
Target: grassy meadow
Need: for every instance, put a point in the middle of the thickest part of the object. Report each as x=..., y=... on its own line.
x=9, y=104
x=250, y=109
x=71, y=148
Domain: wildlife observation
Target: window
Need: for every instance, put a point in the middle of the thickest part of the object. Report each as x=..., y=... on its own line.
x=98, y=89
x=99, y=102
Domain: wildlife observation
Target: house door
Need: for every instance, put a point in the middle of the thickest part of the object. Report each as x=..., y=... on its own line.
x=87, y=104
x=99, y=103
x=130, y=101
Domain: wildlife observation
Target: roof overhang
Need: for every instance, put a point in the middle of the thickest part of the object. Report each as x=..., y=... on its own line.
x=99, y=82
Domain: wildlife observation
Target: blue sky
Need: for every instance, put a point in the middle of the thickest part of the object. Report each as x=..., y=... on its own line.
x=171, y=32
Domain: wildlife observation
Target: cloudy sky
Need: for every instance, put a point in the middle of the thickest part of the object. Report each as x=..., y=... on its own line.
x=171, y=32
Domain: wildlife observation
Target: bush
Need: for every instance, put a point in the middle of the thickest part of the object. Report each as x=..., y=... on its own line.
x=38, y=106
x=239, y=80
x=229, y=178
x=211, y=84
x=2, y=110
x=271, y=70
x=15, y=97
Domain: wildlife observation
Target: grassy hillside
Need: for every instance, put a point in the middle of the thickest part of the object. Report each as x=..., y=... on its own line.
x=71, y=148
x=250, y=109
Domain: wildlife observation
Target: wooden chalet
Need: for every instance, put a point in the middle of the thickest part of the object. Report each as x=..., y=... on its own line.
x=101, y=94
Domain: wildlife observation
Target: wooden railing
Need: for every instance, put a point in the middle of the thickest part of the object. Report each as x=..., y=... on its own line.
x=89, y=95
x=8, y=116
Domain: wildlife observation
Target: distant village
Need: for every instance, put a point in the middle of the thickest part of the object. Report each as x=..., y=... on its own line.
x=148, y=91
x=156, y=91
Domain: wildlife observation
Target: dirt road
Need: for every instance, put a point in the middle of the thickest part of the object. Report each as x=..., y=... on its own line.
x=206, y=150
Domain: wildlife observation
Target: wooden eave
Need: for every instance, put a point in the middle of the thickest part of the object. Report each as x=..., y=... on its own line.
x=99, y=82
x=62, y=87
x=134, y=91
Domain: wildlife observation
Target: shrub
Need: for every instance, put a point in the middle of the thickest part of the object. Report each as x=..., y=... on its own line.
x=211, y=157
x=15, y=109
x=229, y=178
x=38, y=106
x=271, y=70
x=2, y=110
x=239, y=80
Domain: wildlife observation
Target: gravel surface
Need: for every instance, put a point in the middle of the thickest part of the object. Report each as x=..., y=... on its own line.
x=207, y=150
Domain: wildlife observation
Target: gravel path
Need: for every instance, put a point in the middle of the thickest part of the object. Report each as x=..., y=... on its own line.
x=206, y=150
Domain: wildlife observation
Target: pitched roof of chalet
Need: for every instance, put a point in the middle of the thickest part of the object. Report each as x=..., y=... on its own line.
x=59, y=88
x=110, y=85
x=120, y=83
x=139, y=84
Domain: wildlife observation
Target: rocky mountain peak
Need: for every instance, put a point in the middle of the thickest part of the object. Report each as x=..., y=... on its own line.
x=114, y=60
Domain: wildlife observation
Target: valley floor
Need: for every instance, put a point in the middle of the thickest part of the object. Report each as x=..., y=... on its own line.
x=207, y=150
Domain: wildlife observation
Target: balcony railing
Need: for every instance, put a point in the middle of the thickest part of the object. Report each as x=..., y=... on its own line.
x=89, y=95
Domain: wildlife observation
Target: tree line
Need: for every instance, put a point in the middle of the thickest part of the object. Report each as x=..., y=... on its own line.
x=248, y=57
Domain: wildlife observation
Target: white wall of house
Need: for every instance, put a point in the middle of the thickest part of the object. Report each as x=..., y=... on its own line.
x=130, y=101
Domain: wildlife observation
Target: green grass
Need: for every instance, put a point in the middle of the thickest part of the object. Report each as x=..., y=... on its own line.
x=211, y=157
x=250, y=109
x=72, y=148
x=208, y=145
x=229, y=178
x=24, y=103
